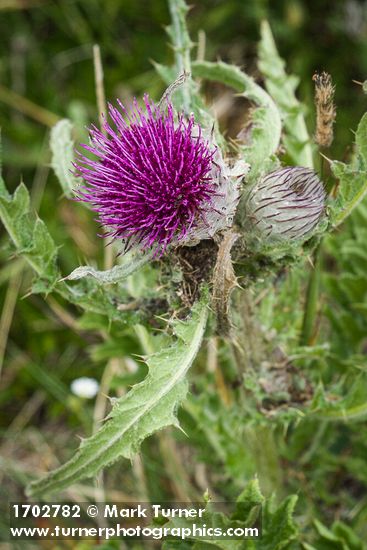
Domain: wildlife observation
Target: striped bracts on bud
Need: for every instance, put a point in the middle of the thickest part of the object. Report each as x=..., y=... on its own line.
x=286, y=204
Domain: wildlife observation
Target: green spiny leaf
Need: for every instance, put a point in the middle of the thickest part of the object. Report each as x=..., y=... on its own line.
x=282, y=87
x=266, y=132
x=148, y=407
x=29, y=235
x=279, y=526
x=361, y=140
x=352, y=179
x=13, y=211
x=248, y=502
x=279, y=529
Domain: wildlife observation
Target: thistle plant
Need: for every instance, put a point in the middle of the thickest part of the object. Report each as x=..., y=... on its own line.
x=204, y=231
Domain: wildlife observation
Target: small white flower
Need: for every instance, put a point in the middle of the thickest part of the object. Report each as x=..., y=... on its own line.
x=85, y=387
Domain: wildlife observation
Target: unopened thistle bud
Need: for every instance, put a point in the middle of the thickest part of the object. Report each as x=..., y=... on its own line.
x=325, y=109
x=286, y=204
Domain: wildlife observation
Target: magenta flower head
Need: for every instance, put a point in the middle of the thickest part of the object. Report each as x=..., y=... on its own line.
x=153, y=179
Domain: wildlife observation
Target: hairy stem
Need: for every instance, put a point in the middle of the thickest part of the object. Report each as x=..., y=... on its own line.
x=312, y=299
x=182, y=46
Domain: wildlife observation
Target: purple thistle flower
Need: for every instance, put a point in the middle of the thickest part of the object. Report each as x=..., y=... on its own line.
x=152, y=182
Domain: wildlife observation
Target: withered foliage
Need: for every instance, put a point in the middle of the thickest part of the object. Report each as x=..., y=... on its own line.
x=224, y=281
x=196, y=264
x=325, y=108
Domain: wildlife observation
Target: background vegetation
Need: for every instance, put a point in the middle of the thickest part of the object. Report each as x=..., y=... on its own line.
x=46, y=72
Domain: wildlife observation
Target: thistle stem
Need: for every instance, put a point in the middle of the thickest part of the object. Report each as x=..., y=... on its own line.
x=182, y=46
x=312, y=300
